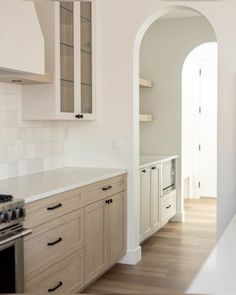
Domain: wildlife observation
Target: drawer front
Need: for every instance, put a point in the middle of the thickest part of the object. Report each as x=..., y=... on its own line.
x=168, y=206
x=47, y=209
x=53, y=241
x=63, y=277
x=103, y=189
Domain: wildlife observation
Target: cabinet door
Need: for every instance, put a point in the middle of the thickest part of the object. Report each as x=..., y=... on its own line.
x=95, y=240
x=155, y=197
x=146, y=224
x=116, y=227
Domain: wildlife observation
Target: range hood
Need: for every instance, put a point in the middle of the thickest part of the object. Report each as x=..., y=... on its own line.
x=22, y=54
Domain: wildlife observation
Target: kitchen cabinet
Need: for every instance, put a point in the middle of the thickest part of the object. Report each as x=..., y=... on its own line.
x=105, y=234
x=156, y=210
x=69, y=30
x=77, y=236
x=145, y=221
x=95, y=240
x=167, y=207
x=150, y=195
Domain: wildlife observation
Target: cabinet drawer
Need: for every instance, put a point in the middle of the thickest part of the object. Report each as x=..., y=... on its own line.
x=63, y=277
x=103, y=189
x=53, y=241
x=168, y=206
x=47, y=209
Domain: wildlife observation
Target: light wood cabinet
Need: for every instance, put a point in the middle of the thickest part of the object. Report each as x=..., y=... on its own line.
x=105, y=234
x=68, y=28
x=77, y=236
x=64, y=277
x=116, y=227
x=95, y=240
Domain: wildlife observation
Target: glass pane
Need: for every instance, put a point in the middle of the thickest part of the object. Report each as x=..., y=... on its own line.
x=86, y=57
x=67, y=56
x=66, y=27
x=67, y=96
x=86, y=102
x=85, y=10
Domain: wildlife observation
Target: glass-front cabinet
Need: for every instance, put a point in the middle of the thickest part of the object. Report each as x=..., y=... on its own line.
x=69, y=29
x=76, y=71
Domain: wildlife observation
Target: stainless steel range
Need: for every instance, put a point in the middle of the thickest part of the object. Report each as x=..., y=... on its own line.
x=12, y=214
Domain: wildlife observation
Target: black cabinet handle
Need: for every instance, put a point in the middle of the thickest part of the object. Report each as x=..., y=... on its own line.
x=107, y=201
x=154, y=168
x=168, y=207
x=107, y=188
x=111, y=200
x=54, y=289
x=144, y=171
x=54, y=207
x=56, y=242
x=79, y=116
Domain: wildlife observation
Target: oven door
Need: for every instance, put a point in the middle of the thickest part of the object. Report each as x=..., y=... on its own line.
x=12, y=262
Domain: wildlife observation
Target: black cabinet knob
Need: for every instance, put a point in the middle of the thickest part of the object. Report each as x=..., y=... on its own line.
x=79, y=116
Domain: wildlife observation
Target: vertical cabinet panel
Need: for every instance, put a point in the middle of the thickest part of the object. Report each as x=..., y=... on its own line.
x=145, y=181
x=150, y=198
x=155, y=197
x=95, y=240
x=116, y=225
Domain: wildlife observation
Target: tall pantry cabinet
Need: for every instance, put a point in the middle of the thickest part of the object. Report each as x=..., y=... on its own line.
x=68, y=29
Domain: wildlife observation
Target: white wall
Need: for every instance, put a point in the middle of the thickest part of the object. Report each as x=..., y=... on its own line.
x=190, y=114
x=163, y=51
x=27, y=147
x=120, y=27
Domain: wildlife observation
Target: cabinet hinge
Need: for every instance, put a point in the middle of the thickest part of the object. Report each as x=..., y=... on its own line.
x=200, y=110
x=199, y=184
x=199, y=147
x=200, y=72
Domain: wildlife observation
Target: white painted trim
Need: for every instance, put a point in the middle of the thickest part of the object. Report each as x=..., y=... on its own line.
x=132, y=256
x=179, y=217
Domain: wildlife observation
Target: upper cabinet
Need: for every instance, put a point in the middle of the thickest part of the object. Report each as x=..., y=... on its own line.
x=68, y=31
x=22, y=53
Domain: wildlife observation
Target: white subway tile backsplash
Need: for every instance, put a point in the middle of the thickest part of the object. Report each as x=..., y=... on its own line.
x=27, y=146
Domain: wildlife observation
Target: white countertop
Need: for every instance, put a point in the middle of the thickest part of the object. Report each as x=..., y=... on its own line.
x=41, y=185
x=217, y=275
x=148, y=160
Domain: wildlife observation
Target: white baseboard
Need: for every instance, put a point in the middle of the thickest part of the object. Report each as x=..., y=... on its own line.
x=179, y=217
x=132, y=257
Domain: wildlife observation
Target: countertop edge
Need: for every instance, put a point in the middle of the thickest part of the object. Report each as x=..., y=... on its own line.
x=158, y=161
x=73, y=186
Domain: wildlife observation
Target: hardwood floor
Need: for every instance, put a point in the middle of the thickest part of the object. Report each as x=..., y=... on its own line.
x=170, y=259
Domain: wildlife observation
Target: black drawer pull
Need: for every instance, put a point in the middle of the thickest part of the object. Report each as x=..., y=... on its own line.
x=54, y=207
x=56, y=242
x=107, y=201
x=107, y=188
x=168, y=207
x=111, y=200
x=54, y=289
x=144, y=171
x=154, y=168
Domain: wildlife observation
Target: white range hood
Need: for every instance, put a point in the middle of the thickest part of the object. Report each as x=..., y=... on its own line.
x=22, y=54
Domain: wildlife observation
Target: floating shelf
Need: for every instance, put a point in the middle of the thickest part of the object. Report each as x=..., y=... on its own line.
x=25, y=79
x=145, y=118
x=144, y=83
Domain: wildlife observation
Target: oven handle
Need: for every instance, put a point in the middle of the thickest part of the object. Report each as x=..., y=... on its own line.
x=21, y=234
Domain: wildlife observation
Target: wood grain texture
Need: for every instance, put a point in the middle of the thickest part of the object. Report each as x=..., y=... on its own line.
x=170, y=259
